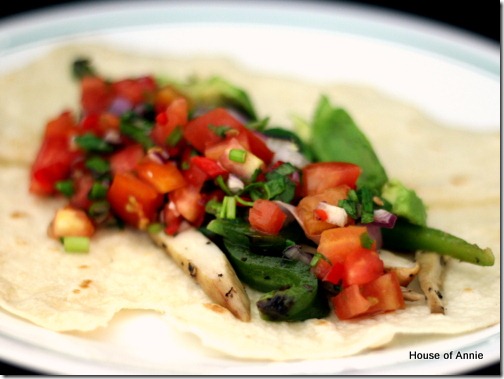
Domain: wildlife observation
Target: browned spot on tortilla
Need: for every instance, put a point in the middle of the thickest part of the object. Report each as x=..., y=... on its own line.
x=468, y=289
x=322, y=322
x=215, y=307
x=76, y=291
x=18, y=214
x=458, y=180
x=21, y=242
x=83, y=266
x=85, y=283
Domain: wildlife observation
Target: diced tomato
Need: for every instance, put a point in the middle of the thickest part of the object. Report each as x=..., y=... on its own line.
x=195, y=176
x=336, y=244
x=163, y=177
x=266, y=216
x=335, y=274
x=55, y=157
x=257, y=145
x=380, y=295
x=314, y=225
x=209, y=166
x=244, y=170
x=133, y=200
x=126, y=160
x=99, y=124
x=96, y=94
x=62, y=126
x=82, y=187
x=199, y=132
x=174, y=115
x=317, y=177
x=135, y=90
x=216, y=150
x=387, y=290
x=172, y=220
x=362, y=266
x=190, y=203
x=351, y=303
x=165, y=96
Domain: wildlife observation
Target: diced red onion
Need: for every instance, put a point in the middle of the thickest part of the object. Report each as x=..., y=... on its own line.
x=120, y=105
x=296, y=253
x=384, y=218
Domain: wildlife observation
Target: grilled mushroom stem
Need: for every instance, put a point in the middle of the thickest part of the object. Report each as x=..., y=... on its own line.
x=430, y=278
x=405, y=275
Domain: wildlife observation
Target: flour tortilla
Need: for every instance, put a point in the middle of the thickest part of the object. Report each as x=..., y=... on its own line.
x=124, y=270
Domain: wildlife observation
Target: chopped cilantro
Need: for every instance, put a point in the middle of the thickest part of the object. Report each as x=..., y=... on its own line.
x=366, y=241
x=91, y=143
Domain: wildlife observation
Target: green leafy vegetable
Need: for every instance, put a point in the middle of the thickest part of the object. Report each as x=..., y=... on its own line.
x=215, y=92
x=336, y=138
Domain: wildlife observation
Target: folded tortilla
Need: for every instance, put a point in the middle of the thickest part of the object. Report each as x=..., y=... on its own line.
x=124, y=270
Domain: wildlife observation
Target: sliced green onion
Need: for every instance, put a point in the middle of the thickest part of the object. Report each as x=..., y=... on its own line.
x=317, y=257
x=98, y=191
x=228, y=209
x=65, y=187
x=174, y=137
x=154, y=228
x=238, y=155
x=98, y=165
x=76, y=244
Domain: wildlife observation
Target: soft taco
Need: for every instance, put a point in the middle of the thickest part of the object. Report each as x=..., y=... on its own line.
x=185, y=159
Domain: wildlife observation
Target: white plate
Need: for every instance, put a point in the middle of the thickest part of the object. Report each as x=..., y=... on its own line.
x=453, y=76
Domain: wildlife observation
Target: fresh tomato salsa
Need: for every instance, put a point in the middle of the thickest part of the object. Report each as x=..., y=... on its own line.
x=152, y=155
